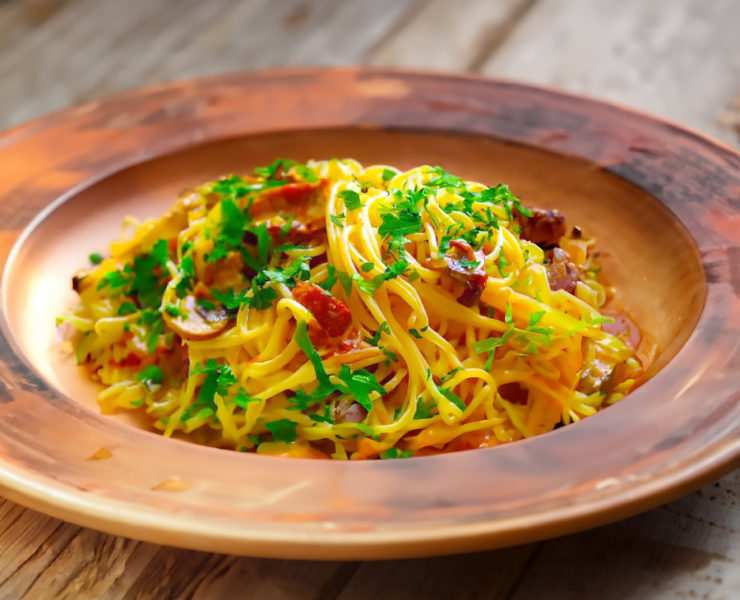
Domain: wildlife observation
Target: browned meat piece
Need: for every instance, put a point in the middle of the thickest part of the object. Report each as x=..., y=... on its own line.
x=466, y=250
x=623, y=327
x=299, y=233
x=561, y=272
x=474, y=279
x=514, y=392
x=331, y=313
x=544, y=227
x=288, y=198
x=597, y=377
x=346, y=410
x=78, y=280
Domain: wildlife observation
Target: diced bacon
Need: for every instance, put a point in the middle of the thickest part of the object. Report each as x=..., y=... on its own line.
x=514, y=392
x=473, y=279
x=562, y=274
x=131, y=360
x=287, y=198
x=544, y=227
x=465, y=248
x=623, y=327
x=332, y=314
x=299, y=232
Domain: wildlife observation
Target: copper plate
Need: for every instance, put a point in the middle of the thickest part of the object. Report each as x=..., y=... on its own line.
x=662, y=200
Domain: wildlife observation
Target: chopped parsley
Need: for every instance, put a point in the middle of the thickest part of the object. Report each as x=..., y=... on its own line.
x=232, y=225
x=331, y=278
x=425, y=410
x=359, y=383
x=403, y=218
x=452, y=397
x=143, y=279
x=283, y=430
x=371, y=285
x=152, y=318
x=243, y=400
x=273, y=172
x=127, y=308
x=96, y=258
x=383, y=327
x=351, y=199
x=186, y=274
x=396, y=453
x=150, y=376
x=219, y=379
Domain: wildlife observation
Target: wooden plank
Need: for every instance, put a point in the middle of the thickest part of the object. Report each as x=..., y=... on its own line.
x=688, y=546
x=679, y=59
x=447, y=35
x=491, y=575
x=89, y=48
x=687, y=549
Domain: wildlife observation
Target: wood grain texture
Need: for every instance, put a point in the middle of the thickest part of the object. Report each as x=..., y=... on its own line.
x=676, y=59
x=685, y=549
x=56, y=54
x=445, y=35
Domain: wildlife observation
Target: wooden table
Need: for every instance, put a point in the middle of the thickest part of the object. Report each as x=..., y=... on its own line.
x=678, y=59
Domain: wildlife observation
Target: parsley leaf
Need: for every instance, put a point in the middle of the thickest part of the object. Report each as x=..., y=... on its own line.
x=283, y=430
x=388, y=174
x=127, y=308
x=351, y=199
x=219, y=378
x=337, y=220
x=146, y=281
x=376, y=336
x=346, y=281
x=96, y=258
x=323, y=418
x=444, y=180
x=391, y=272
x=229, y=298
x=186, y=271
x=396, y=453
x=242, y=399
x=153, y=319
x=150, y=376
x=331, y=278
x=304, y=343
x=424, y=410
x=536, y=317
x=452, y=397
x=360, y=384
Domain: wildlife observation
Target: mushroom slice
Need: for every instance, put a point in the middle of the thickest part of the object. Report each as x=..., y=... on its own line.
x=194, y=322
x=78, y=280
x=597, y=376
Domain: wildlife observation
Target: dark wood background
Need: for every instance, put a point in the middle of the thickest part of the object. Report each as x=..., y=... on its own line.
x=679, y=59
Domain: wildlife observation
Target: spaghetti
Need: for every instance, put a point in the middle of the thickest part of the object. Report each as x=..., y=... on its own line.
x=330, y=310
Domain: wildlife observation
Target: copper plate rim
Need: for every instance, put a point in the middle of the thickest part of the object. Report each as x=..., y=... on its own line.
x=44, y=493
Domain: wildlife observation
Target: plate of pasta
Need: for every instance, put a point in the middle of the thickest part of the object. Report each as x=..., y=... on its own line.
x=420, y=314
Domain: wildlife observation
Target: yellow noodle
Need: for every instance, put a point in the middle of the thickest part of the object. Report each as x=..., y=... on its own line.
x=423, y=361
